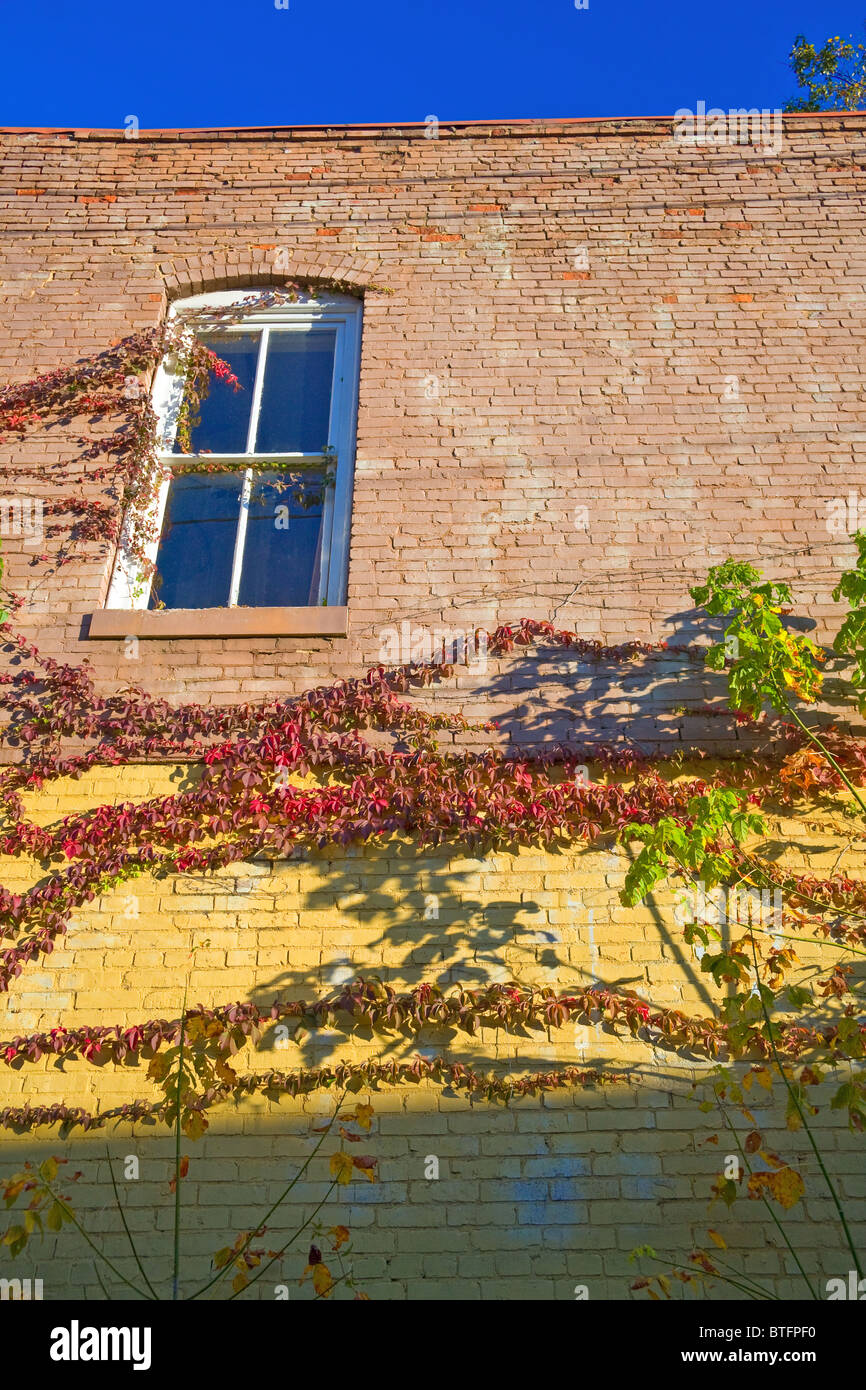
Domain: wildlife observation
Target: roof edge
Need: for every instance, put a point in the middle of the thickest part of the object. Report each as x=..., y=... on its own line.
x=396, y=129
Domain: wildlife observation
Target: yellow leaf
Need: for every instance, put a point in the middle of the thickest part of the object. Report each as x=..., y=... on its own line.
x=764, y=1078
x=322, y=1281
x=773, y=1160
x=341, y=1167
x=787, y=1187
x=194, y=1124
x=364, y=1116
x=48, y=1170
x=717, y=1239
x=159, y=1067
x=340, y=1234
x=240, y=1281
x=54, y=1219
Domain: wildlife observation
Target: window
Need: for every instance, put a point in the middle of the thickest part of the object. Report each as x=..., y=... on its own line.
x=258, y=515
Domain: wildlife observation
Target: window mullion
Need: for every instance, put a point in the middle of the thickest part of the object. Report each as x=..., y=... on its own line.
x=240, y=539
x=243, y=516
x=257, y=392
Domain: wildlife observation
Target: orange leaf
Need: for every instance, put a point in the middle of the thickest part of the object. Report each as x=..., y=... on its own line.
x=340, y=1234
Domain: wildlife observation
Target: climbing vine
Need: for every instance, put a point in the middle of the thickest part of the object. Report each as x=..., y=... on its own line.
x=121, y=456
x=268, y=779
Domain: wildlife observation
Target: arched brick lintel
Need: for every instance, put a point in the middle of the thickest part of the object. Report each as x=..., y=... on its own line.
x=274, y=264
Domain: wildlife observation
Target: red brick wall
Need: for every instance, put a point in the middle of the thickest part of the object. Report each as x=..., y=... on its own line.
x=581, y=295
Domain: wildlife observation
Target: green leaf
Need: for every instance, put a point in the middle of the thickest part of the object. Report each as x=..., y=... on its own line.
x=55, y=1217
x=16, y=1239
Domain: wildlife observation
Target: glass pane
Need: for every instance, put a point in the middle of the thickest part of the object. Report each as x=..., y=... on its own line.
x=296, y=397
x=225, y=412
x=283, y=543
x=196, y=549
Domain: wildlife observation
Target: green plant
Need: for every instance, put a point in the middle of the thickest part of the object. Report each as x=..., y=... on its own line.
x=765, y=664
x=832, y=77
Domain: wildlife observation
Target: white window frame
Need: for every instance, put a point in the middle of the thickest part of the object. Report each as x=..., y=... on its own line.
x=129, y=588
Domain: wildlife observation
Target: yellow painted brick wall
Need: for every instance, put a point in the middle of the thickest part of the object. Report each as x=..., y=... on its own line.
x=532, y=1199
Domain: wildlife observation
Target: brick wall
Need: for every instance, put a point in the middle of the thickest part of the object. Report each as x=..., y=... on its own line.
x=502, y=390
x=556, y=317
x=532, y=1199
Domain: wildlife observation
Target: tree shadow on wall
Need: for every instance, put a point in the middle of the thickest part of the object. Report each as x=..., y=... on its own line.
x=438, y=916
x=433, y=924
x=414, y=916
x=655, y=702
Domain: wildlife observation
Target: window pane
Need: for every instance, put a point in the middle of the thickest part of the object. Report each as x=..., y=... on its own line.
x=296, y=397
x=196, y=549
x=283, y=543
x=225, y=413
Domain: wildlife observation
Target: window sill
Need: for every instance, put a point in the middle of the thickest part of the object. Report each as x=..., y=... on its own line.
x=119, y=623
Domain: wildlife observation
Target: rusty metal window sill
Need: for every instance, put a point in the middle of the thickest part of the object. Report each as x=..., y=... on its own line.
x=115, y=624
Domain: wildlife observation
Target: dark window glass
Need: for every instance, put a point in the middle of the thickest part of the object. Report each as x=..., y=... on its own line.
x=296, y=395
x=283, y=542
x=196, y=550
x=225, y=412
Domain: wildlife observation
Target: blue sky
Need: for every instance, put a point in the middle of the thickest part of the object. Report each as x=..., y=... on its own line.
x=245, y=62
